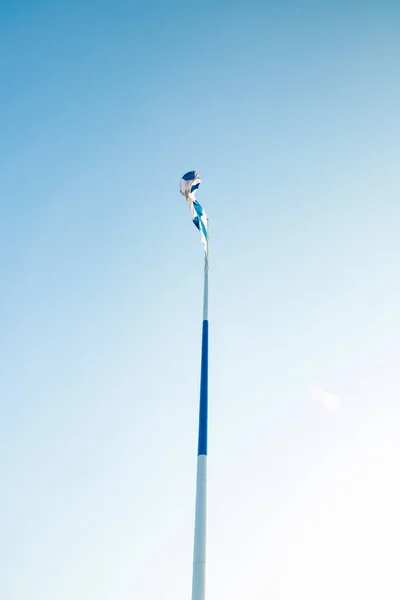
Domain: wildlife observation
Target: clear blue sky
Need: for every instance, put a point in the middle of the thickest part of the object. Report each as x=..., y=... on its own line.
x=290, y=113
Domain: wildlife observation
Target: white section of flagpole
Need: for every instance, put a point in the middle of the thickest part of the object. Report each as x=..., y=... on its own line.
x=205, y=298
x=200, y=532
x=200, y=527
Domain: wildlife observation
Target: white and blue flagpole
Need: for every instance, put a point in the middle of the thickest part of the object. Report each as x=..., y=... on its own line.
x=190, y=183
x=200, y=526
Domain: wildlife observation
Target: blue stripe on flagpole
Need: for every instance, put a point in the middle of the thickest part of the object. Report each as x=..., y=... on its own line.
x=203, y=413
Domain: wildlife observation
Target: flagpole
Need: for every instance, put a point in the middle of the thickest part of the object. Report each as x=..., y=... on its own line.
x=200, y=526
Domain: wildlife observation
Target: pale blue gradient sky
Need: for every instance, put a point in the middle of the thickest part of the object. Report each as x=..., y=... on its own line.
x=291, y=115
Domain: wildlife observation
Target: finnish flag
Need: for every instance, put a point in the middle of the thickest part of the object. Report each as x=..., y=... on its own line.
x=190, y=183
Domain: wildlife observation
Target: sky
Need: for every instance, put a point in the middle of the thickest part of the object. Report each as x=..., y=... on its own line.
x=290, y=113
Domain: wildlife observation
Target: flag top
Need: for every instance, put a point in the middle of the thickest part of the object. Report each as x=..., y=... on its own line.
x=190, y=183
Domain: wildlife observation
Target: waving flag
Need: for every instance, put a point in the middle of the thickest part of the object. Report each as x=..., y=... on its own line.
x=190, y=183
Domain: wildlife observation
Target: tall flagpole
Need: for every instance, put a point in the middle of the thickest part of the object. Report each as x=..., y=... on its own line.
x=200, y=525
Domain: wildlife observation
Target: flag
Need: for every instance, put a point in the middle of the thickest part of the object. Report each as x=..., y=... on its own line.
x=190, y=183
